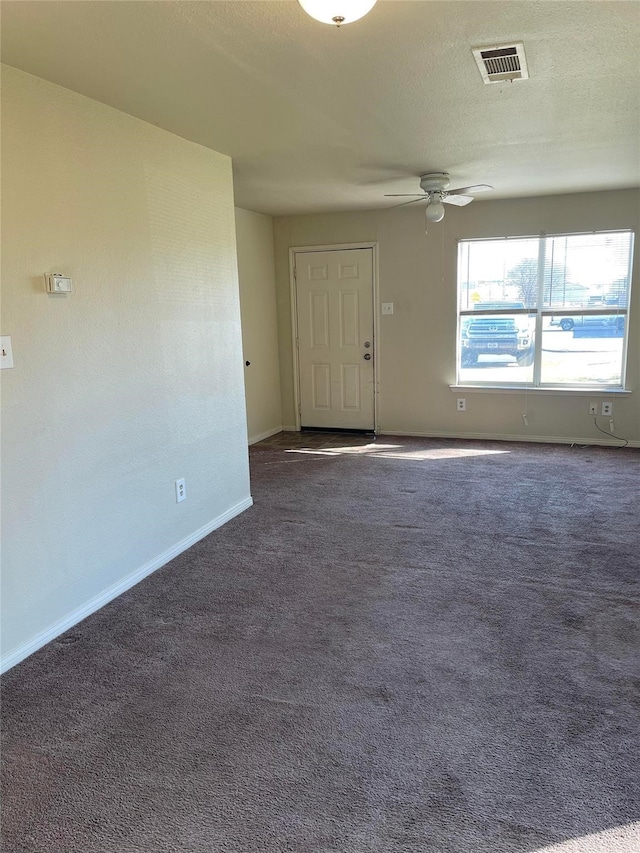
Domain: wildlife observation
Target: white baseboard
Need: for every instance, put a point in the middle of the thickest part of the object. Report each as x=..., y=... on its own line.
x=289, y=428
x=483, y=436
x=254, y=439
x=118, y=588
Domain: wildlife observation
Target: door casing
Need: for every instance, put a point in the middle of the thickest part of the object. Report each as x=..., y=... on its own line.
x=294, y=320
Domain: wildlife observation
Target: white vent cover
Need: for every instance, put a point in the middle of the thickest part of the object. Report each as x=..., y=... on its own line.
x=502, y=62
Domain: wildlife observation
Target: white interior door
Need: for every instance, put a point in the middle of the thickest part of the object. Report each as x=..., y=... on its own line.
x=334, y=299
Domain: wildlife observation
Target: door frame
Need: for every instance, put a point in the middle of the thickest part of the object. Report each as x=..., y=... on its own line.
x=339, y=247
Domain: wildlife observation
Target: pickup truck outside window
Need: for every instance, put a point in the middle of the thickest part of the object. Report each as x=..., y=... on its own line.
x=546, y=311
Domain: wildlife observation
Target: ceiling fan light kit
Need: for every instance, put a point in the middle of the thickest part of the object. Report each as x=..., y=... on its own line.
x=337, y=12
x=435, y=209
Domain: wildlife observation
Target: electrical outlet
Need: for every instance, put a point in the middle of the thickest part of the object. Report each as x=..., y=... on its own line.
x=607, y=409
x=461, y=404
x=593, y=408
x=7, y=354
x=181, y=490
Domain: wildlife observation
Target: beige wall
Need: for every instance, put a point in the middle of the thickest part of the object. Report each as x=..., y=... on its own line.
x=254, y=235
x=417, y=344
x=129, y=383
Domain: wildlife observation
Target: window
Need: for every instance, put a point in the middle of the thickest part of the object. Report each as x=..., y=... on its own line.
x=547, y=311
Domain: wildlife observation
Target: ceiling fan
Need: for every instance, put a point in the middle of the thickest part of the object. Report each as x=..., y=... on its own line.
x=436, y=193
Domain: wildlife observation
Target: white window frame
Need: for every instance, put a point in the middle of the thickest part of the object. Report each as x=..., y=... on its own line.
x=540, y=312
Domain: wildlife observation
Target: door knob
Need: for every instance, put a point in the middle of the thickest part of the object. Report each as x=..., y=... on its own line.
x=367, y=356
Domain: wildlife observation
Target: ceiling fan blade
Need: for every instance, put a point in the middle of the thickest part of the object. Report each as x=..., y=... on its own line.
x=405, y=195
x=458, y=200
x=425, y=197
x=476, y=188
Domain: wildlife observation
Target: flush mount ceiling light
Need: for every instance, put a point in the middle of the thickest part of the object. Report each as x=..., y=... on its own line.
x=337, y=12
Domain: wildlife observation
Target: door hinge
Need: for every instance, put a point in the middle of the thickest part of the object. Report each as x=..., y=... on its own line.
x=298, y=343
x=299, y=409
x=295, y=274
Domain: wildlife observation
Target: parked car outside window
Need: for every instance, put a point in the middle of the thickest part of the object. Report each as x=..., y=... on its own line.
x=502, y=334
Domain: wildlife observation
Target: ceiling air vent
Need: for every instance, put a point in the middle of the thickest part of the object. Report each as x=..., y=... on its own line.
x=502, y=62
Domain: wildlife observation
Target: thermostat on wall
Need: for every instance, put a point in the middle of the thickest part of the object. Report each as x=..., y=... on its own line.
x=57, y=283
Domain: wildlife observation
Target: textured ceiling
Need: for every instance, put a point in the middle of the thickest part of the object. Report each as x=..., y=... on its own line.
x=321, y=119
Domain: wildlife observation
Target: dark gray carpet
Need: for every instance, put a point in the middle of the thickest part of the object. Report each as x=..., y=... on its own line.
x=416, y=649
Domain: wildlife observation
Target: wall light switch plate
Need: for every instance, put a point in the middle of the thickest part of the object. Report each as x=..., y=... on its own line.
x=7, y=355
x=387, y=307
x=57, y=283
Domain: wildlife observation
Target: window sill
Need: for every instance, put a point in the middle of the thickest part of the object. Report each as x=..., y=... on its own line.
x=526, y=389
